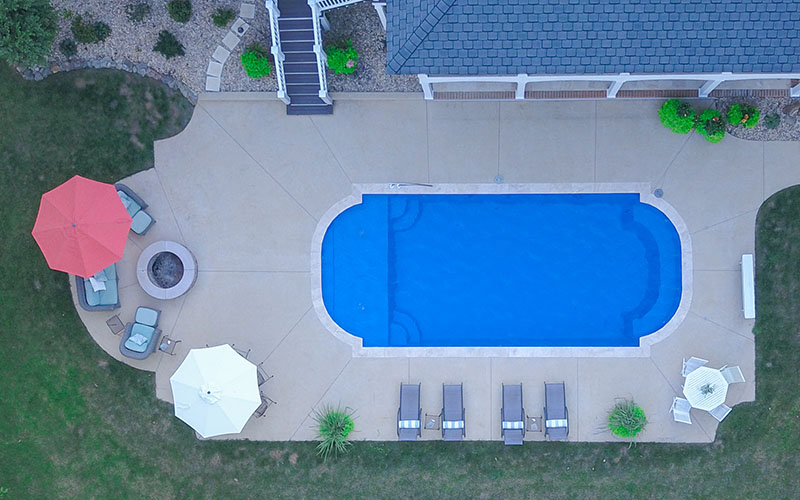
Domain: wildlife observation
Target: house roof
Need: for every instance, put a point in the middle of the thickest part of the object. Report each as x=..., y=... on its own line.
x=539, y=37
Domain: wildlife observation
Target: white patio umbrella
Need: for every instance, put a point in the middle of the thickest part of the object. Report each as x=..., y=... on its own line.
x=215, y=390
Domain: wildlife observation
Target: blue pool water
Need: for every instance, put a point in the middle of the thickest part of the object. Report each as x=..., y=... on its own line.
x=501, y=270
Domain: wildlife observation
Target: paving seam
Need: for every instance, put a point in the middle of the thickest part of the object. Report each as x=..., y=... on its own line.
x=164, y=190
x=724, y=221
x=659, y=181
x=330, y=150
x=289, y=332
x=320, y=398
x=679, y=391
x=724, y=327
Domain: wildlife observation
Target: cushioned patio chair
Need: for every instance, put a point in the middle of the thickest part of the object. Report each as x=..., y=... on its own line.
x=681, y=409
x=556, y=417
x=692, y=364
x=732, y=374
x=720, y=412
x=140, y=338
x=453, y=427
x=409, y=415
x=102, y=299
x=142, y=221
x=512, y=415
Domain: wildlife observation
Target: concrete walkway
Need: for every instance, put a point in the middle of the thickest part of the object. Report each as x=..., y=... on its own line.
x=243, y=187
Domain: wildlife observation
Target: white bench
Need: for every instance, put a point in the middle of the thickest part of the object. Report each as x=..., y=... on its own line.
x=748, y=287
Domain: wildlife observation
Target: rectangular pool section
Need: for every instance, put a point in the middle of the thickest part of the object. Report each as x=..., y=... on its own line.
x=501, y=270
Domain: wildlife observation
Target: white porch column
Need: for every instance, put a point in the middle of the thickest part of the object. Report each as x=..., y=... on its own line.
x=522, y=80
x=427, y=90
x=710, y=85
x=795, y=91
x=380, y=8
x=617, y=84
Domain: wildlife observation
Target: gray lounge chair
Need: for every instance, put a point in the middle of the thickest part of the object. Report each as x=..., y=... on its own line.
x=453, y=422
x=512, y=415
x=145, y=325
x=556, y=417
x=409, y=415
x=101, y=300
x=135, y=205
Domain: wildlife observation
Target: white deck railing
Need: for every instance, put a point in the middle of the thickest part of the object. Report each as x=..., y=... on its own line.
x=712, y=80
x=332, y=4
x=322, y=57
x=277, y=53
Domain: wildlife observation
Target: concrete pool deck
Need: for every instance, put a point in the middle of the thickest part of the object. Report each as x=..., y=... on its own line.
x=244, y=187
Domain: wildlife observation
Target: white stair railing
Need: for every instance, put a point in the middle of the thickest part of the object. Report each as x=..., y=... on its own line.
x=277, y=53
x=324, y=5
x=322, y=57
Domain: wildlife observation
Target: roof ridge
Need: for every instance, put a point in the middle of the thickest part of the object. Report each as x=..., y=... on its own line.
x=422, y=30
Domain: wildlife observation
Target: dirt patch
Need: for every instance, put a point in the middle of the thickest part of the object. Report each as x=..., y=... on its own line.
x=216, y=460
x=102, y=363
x=277, y=455
x=80, y=83
x=293, y=458
x=136, y=142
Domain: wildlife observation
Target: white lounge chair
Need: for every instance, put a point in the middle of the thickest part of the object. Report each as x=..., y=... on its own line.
x=732, y=374
x=680, y=410
x=720, y=412
x=692, y=364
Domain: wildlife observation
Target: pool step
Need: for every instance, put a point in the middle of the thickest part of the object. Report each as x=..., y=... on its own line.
x=403, y=330
x=408, y=217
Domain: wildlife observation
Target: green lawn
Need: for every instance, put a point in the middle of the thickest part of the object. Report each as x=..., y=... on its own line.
x=77, y=424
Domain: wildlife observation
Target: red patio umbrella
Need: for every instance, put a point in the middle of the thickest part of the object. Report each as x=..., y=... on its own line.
x=82, y=226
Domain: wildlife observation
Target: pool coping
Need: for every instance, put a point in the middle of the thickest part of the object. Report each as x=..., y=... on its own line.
x=645, y=195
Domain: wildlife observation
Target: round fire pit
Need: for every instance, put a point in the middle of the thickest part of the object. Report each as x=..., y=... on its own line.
x=166, y=270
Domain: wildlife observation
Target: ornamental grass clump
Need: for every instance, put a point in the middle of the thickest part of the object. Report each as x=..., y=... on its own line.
x=342, y=58
x=27, y=31
x=168, y=46
x=626, y=420
x=677, y=116
x=222, y=17
x=89, y=32
x=255, y=61
x=334, y=425
x=743, y=114
x=711, y=125
x=772, y=120
x=180, y=10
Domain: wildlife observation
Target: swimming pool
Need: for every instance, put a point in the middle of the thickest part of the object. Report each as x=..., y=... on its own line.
x=501, y=270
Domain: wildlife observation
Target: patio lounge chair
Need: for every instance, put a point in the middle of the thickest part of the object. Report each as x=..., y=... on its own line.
x=720, y=412
x=409, y=415
x=142, y=221
x=732, y=374
x=265, y=404
x=140, y=338
x=453, y=412
x=680, y=410
x=556, y=417
x=102, y=299
x=512, y=415
x=691, y=365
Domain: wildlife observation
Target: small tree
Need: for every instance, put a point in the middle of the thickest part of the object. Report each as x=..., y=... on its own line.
x=27, y=31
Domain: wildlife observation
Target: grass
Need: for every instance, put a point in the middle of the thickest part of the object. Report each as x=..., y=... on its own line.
x=77, y=424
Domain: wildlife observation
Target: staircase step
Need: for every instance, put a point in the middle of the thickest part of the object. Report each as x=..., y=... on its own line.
x=305, y=88
x=300, y=67
x=306, y=99
x=327, y=109
x=294, y=9
x=297, y=35
x=295, y=24
x=297, y=47
x=302, y=78
x=295, y=57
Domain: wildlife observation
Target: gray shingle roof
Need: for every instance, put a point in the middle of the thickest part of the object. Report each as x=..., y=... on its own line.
x=487, y=37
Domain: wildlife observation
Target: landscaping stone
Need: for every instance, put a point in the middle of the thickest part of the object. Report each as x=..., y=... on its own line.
x=221, y=54
x=212, y=84
x=247, y=11
x=788, y=130
x=231, y=40
x=240, y=27
x=214, y=69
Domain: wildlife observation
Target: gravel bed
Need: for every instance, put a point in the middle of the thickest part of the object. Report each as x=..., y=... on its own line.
x=788, y=130
x=360, y=24
x=234, y=79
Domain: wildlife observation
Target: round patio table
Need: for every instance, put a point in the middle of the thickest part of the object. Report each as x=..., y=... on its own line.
x=700, y=378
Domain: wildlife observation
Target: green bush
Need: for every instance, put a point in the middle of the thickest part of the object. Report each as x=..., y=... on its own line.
x=222, y=17
x=255, y=61
x=743, y=115
x=626, y=419
x=677, y=116
x=89, y=32
x=168, y=46
x=342, y=58
x=711, y=125
x=772, y=120
x=180, y=10
x=334, y=425
x=68, y=47
x=27, y=31
x=137, y=12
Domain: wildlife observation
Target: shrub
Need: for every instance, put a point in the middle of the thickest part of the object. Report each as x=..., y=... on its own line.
x=743, y=115
x=772, y=120
x=255, y=61
x=180, y=10
x=27, y=31
x=222, y=17
x=342, y=58
x=89, y=32
x=677, y=116
x=137, y=12
x=334, y=425
x=168, y=45
x=711, y=126
x=68, y=47
x=626, y=419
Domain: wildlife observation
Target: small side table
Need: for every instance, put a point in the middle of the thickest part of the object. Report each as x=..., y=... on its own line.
x=115, y=324
x=432, y=422
x=535, y=424
x=167, y=345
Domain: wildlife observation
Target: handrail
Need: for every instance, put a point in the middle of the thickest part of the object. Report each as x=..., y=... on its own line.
x=277, y=53
x=322, y=57
x=324, y=5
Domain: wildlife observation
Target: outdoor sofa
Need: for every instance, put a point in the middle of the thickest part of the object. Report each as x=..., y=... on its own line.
x=100, y=300
x=140, y=338
x=453, y=412
x=556, y=417
x=142, y=221
x=409, y=415
x=512, y=415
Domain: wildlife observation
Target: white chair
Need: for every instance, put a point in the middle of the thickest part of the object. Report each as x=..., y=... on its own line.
x=680, y=410
x=732, y=374
x=692, y=364
x=720, y=412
